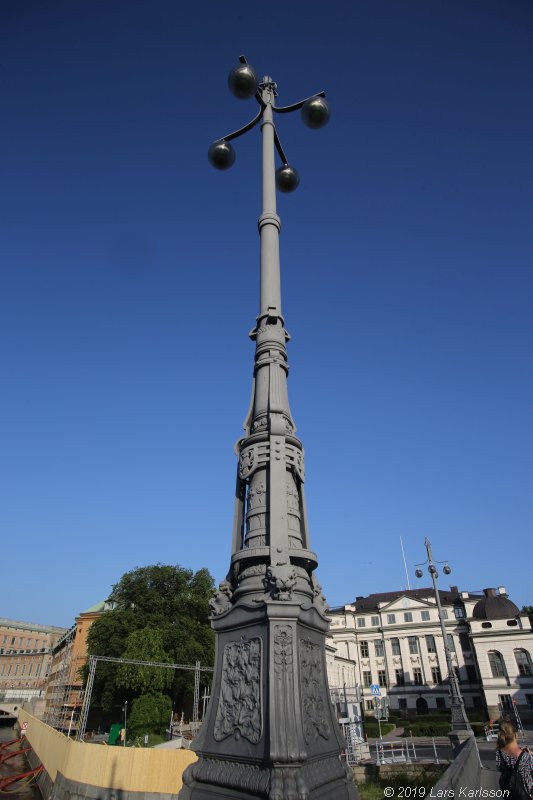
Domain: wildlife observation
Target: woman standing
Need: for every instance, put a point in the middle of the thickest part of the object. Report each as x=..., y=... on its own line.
x=515, y=763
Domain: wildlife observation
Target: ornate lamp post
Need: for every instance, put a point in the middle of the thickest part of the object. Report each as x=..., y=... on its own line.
x=270, y=731
x=460, y=721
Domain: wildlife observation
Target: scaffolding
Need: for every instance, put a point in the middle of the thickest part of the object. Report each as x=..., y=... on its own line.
x=58, y=701
x=93, y=661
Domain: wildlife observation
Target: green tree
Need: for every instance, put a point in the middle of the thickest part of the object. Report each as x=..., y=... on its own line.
x=145, y=644
x=529, y=611
x=150, y=713
x=160, y=613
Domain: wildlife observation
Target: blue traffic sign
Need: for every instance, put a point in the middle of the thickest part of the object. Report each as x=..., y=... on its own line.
x=375, y=689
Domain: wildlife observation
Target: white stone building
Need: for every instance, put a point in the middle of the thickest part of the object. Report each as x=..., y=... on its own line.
x=394, y=639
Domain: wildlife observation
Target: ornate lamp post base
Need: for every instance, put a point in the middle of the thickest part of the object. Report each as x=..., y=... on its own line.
x=460, y=721
x=271, y=730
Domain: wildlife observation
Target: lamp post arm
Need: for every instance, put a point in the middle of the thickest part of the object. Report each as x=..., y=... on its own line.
x=296, y=106
x=244, y=129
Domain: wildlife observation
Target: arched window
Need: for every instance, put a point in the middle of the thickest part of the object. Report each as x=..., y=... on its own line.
x=497, y=664
x=523, y=662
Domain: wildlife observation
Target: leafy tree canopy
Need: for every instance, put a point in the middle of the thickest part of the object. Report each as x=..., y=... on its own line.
x=145, y=644
x=160, y=613
x=149, y=714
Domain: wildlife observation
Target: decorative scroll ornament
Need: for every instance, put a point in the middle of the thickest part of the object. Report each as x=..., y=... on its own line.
x=319, y=600
x=260, y=424
x=282, y=648
x=246, y=462
x=221, y=600
x=239, y=707
x=280, y=580
x=315, y=721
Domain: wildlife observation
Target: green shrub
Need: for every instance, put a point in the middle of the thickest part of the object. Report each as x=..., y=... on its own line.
x=425, y=728
x=150, y=713
x=372, y=728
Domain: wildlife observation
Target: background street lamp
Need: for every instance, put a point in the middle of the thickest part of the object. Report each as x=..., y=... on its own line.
x=459, y=718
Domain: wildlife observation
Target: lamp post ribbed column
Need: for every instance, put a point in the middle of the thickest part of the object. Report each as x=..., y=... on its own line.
x=270, y=731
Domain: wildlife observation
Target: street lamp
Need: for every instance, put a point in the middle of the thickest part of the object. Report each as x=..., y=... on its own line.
x=270, y=730
x=459, y=719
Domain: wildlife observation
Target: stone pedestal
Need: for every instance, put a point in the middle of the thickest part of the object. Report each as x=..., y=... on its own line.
x=270, y=730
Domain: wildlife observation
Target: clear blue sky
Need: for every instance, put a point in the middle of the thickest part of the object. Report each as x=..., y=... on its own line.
x=129, y=282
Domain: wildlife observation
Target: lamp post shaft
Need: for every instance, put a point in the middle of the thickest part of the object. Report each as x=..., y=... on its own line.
x=269, y=222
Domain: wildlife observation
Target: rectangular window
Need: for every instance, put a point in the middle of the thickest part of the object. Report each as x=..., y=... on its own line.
x=408, y=617
x=9, y=670
x=444, y=613
x=417, y=676
x=30, y=669
x=402, y=704
x=369, y=705
x=395, y=644
x=23, y=670
x=12, y=640
x=400, y=679
x=441, y=703
x=374, y=621
x=464, y=641
x=430, y=643
x=3, y=669
x=505, y=703
x=436, y=677
x=413, y=645
x=367, y=679
x=361, y=622
x=378, y=645
x=20, y=641
x=382, y=677
x=391, y=619
x=523, y=663
x=459, y=612
x=364, y=649
x=16, y=669
x=451, y=643
x=425, y=616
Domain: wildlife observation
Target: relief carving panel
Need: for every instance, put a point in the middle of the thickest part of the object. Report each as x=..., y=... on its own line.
x=239, y=710
x=314, y=710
